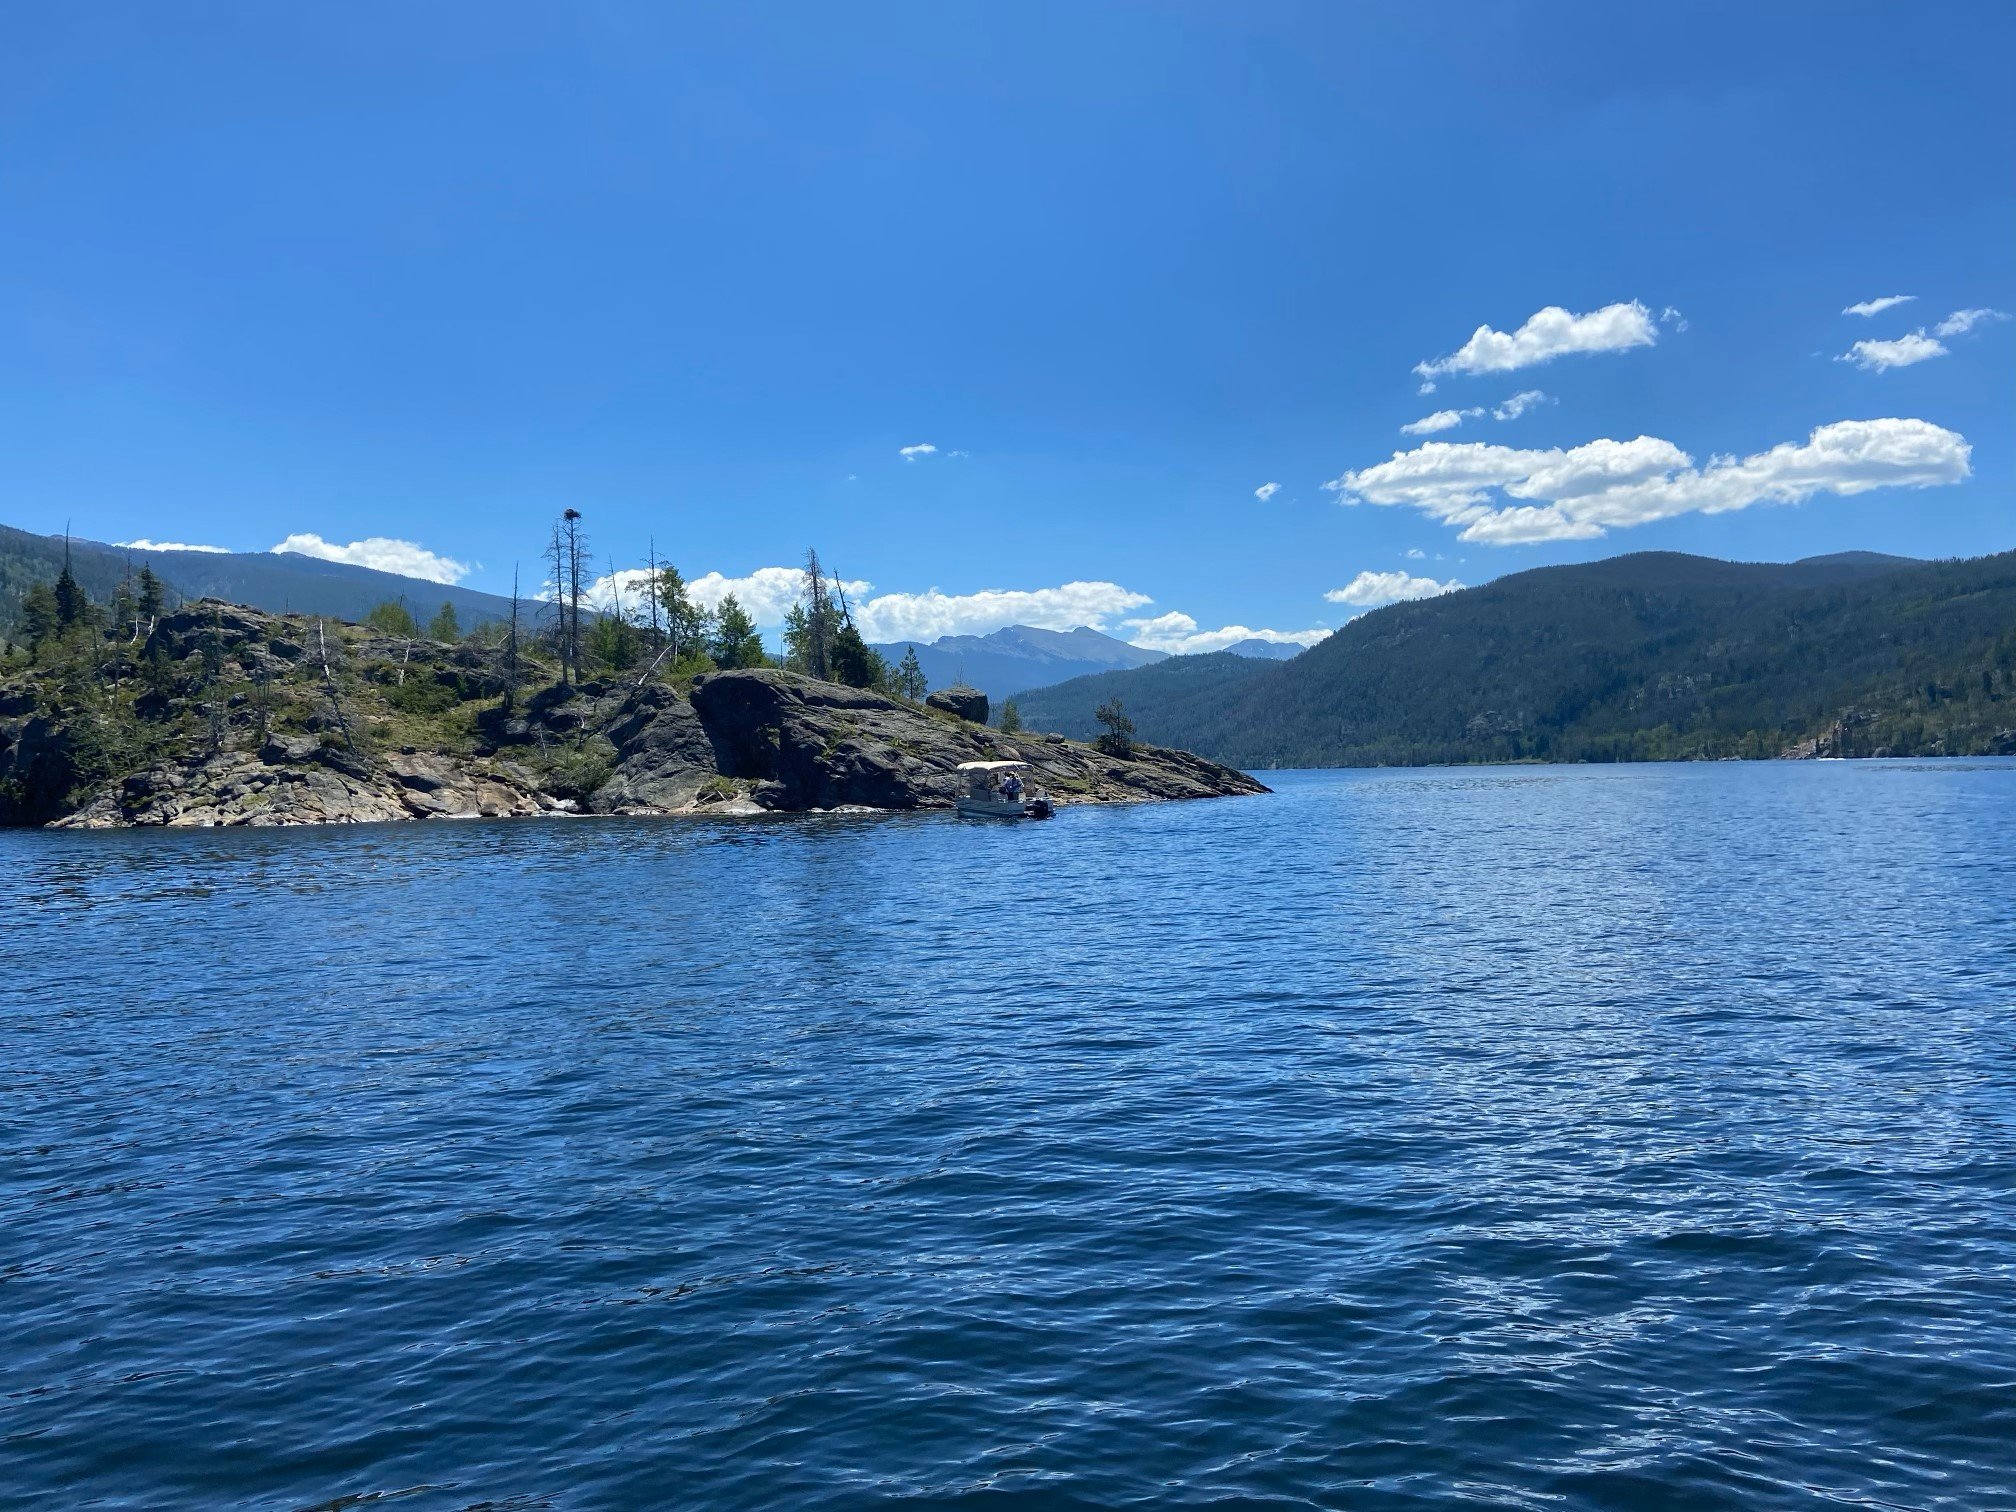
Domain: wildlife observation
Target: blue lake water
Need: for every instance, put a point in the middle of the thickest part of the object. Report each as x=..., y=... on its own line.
x=1537, y=1137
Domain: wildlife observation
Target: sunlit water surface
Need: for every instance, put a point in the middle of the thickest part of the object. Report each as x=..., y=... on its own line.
x=1574, y=1137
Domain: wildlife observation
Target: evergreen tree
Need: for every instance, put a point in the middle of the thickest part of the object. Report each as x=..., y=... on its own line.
x=72, y=606
x=40, y=620
x=1119, y=737
x=685, y=620
x=855, y=662
x=612, y=642
x=393, y=618
x=821, y=619
x=797, y=639
x=910, y=681
x=151, y=595
x=445, y=626
x=1011, y=717
x=735, y=642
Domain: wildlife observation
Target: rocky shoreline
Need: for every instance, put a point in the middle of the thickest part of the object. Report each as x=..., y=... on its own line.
x=223, y=750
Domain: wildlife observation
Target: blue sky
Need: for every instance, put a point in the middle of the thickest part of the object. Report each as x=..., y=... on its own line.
x=430, y=274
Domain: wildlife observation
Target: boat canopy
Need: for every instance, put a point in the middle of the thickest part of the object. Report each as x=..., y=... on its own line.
x=988, y=766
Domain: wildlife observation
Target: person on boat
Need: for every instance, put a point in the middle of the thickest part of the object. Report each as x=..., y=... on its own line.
x=1011, y=786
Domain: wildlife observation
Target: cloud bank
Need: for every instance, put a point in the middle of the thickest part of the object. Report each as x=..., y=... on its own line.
x=143, y=544
x=1609, y=485
x=1547, y=334
x=407, y=558
x=1369, y=590
x=1179, y=635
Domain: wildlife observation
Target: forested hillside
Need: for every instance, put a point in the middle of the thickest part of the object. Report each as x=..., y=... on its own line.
x=1650, y=656
x=1148, y=693
x=276, y=582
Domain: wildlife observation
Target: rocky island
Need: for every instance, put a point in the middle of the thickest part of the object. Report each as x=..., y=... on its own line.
x=223, y=715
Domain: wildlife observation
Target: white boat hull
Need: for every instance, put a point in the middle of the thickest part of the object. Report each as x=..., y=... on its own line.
x=992, y=808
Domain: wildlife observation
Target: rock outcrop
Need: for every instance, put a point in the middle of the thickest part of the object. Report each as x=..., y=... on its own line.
x=196, y=752
x=960, y=701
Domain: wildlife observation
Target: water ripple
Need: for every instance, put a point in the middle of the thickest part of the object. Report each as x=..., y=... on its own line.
x=1535, y=1138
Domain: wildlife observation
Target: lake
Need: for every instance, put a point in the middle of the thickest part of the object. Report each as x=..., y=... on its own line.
x=1637, y=1136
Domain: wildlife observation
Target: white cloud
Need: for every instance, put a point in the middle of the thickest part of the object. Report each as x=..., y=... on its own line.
x=1518, y=404
x=1547, y=334
x=1878, y=306
x=930, y=614
x=407, y=558
x=1427, y=386
x=1441, y=420
x=1368, y=590
x=1881, y=356
x=1960, y=322
x=143, y=544
x=1612, y=485
x=1672, y=317
x=1178, y=634
x=1266, y=491
x=1416, y=554
x=912, y=453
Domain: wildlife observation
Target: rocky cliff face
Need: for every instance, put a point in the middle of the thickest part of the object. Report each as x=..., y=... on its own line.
x=229, y=716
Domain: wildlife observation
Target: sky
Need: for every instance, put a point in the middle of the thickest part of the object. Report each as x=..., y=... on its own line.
x=1185, y=321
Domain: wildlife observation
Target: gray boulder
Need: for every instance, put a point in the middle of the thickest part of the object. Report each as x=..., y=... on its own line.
x=968, y=703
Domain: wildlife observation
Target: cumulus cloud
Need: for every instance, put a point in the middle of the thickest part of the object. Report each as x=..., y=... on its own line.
x=143, y=544
x=1441, y=420
x=1518, y=404
x=385, y=554
x=1415, y=554
x=1266, y=491
x=1960, y=322
x=1179, y=635
x=1606, y=485
x=1427, y=386
x=1878, y=306
x=1547, y=334
x=769, y=592
x=1881, y=356
x=912, y=453
x=1368, y=590
x=930, y=614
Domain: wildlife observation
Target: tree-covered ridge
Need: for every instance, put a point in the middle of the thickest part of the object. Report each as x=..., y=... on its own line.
x=1651, y=656
x=276, y=582
x=1071, y=708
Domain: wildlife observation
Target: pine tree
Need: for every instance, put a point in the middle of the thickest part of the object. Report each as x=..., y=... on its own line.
x=40, y=620
x=820, y=618
x=1119, y=737
x=910, y=682
x=735, y=643
x=151, y=595
x=685, y=620
x=72, y=606
x=393, y=618
x=445, y=626
x=855, y=662
x=1011, y=717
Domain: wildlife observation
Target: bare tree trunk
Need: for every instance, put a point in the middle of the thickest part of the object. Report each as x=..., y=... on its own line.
x=329, y=684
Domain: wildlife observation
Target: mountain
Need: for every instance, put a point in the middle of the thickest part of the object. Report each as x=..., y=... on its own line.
x=1649, y=656
x=1021, y=656
x=279, y=583
x=1147, y=692
x=1262, y=650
